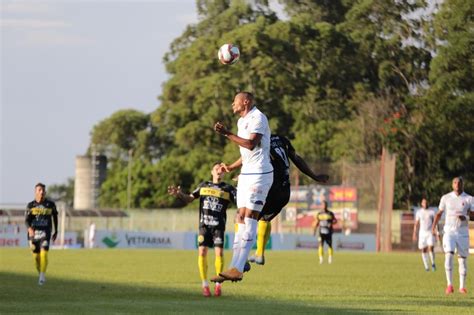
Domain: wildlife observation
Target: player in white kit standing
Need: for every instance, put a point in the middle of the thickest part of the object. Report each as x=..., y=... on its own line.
x=457, y=205
x=424, y=219
x=255, y=179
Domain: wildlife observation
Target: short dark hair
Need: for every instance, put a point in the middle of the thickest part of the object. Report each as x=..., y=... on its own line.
x=40, y=185
x=248, y=95
x=460, y=178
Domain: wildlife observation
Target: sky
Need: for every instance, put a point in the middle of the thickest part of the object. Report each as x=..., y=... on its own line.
x=65, y=65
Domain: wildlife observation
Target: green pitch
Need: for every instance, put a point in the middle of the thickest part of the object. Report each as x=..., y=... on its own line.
x=167, y=281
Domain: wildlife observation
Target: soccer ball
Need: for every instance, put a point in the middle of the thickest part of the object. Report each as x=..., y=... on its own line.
x=228, y=54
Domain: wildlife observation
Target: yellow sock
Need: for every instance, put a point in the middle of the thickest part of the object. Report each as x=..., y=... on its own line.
x=236, y=227
x=202, y=264
x=219, y=264
x=43, y=260
x=36, y=257
x=321, y=251
x=262, y=228
x=268, y=232
x=330, y=251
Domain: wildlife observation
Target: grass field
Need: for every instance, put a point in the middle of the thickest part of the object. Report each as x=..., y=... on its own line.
x=167, y=281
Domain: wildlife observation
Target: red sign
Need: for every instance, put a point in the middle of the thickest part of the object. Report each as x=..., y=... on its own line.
x=343, y=194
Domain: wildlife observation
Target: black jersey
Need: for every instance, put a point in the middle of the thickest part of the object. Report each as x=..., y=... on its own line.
x=279, y=148
x=325, y=222
x=39, y=215
x=214, y=200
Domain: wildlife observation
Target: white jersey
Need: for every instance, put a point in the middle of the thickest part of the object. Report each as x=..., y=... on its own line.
x=455, y=206
x=426, y=218
x=256, y=161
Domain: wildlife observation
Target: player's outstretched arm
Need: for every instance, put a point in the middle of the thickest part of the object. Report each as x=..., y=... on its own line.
x=303, y=167
x=178, y=193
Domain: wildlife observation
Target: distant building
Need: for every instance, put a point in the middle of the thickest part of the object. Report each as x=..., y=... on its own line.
x=91, y=172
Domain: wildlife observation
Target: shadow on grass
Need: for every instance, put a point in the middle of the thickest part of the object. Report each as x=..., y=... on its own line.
x=20, y=293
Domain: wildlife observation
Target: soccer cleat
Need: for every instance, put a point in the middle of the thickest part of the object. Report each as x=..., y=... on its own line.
x=232, y=274
x=330, y=260
x=427, y=269
x=247, y=267
x=462, y=290
x=206, y=291
x=218, y=290
x=433, y=267
x=218, y=279
x=321, y=260
x=259, y=260
x=449, y=289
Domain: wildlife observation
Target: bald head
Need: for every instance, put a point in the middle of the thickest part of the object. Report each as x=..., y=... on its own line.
x=243, y=103
x=458, y=185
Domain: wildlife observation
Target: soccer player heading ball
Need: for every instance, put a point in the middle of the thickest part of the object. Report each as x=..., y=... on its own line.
x=255, y=179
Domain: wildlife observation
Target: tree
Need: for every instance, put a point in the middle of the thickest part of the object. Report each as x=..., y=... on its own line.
x=63, y=192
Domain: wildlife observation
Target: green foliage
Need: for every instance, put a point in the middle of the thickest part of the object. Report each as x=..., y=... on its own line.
x=62, y=192
x=342, y=79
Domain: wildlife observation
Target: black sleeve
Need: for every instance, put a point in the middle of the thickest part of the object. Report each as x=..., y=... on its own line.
x=288, y=144
x=55, y=217
x=197, y=192
x=28, y=216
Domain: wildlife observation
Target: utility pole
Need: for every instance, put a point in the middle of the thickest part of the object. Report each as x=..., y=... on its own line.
x=129, y=179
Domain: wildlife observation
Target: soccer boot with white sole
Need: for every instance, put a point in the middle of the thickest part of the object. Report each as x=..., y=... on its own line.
x=259, y=260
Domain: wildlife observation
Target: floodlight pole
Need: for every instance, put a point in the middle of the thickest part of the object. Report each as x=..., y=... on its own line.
x=129, y=179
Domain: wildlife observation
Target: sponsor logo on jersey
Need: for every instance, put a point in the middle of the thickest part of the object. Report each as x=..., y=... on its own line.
x=41, y=211
x=214, y=192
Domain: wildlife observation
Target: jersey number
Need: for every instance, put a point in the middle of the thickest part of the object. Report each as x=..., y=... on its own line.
x=283, y=156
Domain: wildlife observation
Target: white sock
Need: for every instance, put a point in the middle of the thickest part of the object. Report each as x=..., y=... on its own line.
x=462, y=271
x=424, y=256
x=448, y=266
x=236, y=246
x=432, y=257
x=248, y=240
x=205, y=283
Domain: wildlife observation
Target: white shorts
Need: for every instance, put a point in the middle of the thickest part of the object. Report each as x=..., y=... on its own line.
x=425, y=239
x=451, y=242
x=252, y=190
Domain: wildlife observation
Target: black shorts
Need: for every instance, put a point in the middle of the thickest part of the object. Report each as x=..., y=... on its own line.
x=325, y=238
x=211, y=237
x=40, y=240
x=277, y=198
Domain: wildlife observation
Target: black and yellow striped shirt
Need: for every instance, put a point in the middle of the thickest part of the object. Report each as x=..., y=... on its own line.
x=214, y=199
x=39, y=215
